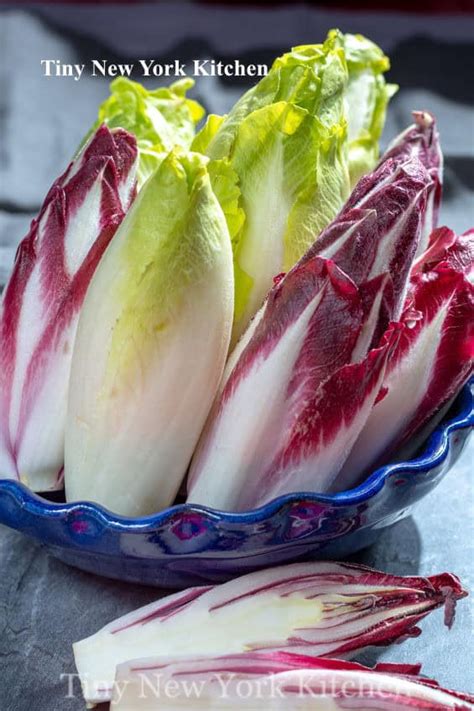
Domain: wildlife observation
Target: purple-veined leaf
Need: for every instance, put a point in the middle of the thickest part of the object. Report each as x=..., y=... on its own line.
x=318, y=608
x=421, y=141
x=297, y=389
x=324, y=430
x=446, y=246
x=42, y=300
x=405, y=191
x=278, y=680
x=380, y=227
x=433, y=358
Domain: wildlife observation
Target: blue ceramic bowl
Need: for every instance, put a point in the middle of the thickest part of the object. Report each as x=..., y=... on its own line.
x=190, y=545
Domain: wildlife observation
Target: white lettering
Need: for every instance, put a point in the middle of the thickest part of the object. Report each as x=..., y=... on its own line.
x=53, y=67
x=199, y=68
x=103, y=68
x=152, y=68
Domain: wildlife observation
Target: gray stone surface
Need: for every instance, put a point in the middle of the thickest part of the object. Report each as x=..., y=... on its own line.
x=45, y=606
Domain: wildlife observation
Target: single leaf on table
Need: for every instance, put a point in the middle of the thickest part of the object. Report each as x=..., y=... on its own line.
x=318, y=608
x=279, y=680
x=42, y=301
x=151, y=344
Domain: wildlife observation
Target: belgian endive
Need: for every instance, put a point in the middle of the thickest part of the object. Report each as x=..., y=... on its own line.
x=40, y=307
x=432, y=361
x=319, y=608
x=421, y=141
x=297, y=390
x=303, y=379
x=160, y=119
x=290, y=140
x=151, y=344
x=278, y=680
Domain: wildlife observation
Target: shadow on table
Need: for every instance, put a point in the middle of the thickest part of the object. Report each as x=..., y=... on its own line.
x=397, y=551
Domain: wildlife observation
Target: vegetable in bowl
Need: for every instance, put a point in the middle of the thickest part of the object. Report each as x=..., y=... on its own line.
x=151, y=344
x=188, y=544
x=297, y=141
x=41, y=303
x=322, y=387
x=338, y=336
x=360, y=343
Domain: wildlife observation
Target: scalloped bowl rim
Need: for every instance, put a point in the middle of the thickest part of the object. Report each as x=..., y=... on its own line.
x=434, y=452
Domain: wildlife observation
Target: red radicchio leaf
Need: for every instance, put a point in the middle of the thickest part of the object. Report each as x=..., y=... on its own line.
x=300, y=354
x=433, y=359
x=42, y=300
x=268, y=621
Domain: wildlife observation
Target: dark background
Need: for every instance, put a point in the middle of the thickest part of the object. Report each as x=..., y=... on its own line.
x=45, y=606
x=42, y=120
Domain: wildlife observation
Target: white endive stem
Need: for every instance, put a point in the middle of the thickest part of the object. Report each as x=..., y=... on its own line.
x=276, y=681
x=151, y=344
x=322, y=609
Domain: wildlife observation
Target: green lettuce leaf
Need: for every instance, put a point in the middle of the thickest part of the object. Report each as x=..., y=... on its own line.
x=313, y=79
x=366, y=95
x=297, y=141
x=224, y=181
x=293, y=180
x=366, y=102
x=206, y=134
x=160, y=119
x=286, y=140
